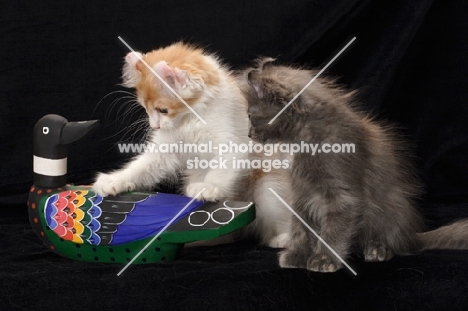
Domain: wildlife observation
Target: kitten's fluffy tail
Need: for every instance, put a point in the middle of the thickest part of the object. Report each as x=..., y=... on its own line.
x=453, y=236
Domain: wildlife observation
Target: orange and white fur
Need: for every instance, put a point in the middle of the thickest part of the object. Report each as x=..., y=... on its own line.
x=210, y=89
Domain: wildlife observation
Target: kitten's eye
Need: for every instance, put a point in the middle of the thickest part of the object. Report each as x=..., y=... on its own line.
x=162, y=110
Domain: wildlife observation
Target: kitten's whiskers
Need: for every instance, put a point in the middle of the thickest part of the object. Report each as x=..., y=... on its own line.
x=127, y=107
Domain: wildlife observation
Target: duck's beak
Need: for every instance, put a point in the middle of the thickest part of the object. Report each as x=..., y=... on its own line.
x=73, y=131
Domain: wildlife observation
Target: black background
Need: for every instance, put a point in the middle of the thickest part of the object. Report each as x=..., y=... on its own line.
x=409, y=62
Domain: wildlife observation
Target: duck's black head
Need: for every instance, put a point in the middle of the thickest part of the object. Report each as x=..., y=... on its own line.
x=52, y=135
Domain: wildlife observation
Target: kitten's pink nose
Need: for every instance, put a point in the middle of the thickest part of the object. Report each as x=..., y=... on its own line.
x=154, y=121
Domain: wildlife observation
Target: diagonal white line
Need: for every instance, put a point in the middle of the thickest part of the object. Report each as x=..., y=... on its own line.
x=313, y=79
x=162, y=80
x=161, y=231
x=312, y=230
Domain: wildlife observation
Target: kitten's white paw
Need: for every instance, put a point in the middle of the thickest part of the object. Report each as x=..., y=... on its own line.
x=111, y=184
x=211, y=193
x=280, y=241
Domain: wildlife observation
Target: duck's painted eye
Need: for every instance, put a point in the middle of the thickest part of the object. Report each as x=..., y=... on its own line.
x=162, y=110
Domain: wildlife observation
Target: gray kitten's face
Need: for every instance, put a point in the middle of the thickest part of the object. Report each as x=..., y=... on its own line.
x=267, y=98
x=260, y=113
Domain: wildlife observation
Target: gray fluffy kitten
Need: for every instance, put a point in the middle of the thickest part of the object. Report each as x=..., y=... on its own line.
x=361, y=200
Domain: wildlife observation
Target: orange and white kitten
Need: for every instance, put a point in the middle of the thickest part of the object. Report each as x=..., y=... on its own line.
x=210, y=89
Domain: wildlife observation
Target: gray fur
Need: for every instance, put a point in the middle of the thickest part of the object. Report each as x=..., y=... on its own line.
x=362, y=200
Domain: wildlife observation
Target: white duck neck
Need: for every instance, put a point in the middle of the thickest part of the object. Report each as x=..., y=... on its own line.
x=49, y=167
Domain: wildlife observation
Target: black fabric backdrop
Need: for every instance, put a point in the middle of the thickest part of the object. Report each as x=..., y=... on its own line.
x=409, y=62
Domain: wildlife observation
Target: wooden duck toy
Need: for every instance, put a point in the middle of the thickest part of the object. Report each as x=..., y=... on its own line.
x=75, y=222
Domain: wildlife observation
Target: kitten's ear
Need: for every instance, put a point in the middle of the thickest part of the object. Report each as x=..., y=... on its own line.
x=265, y=63
x=255, y=82
x=186, y=82
x=174, y=77
x=134, y=60
x=132, y=69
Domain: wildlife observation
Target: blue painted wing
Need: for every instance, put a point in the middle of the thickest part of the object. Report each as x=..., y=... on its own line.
x=151, y=215
x=82, y=216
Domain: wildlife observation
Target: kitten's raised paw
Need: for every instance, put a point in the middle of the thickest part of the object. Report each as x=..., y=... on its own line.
x=323, y=263
x=377, y=251
x=109, y=184
x=211, y=193
x=292, y=259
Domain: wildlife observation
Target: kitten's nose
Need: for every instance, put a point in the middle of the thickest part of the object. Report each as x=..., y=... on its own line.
x=250, y=133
